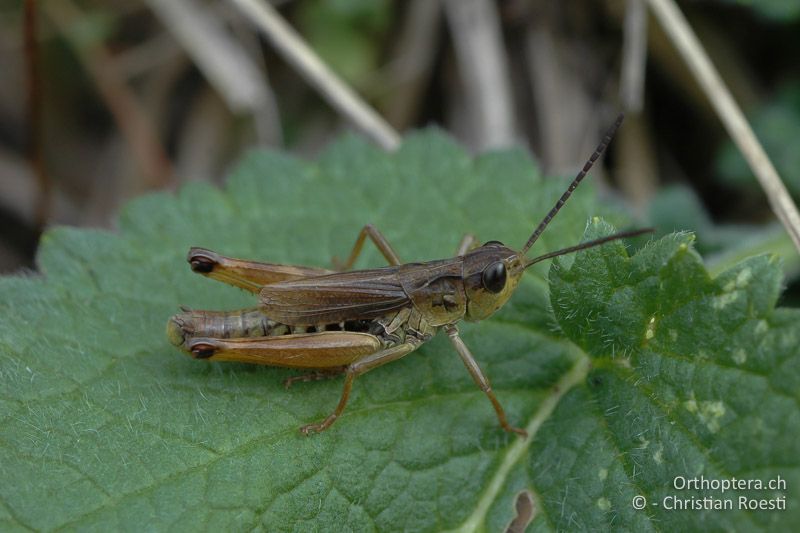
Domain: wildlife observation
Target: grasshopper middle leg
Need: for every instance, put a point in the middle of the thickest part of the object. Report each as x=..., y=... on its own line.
x=468, y=242
x=380, y=242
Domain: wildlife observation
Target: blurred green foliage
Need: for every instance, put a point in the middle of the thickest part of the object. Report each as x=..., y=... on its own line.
x=94, y=28
x=678, y=208
x=777, y=125
x=777, y=10
x=346, y=33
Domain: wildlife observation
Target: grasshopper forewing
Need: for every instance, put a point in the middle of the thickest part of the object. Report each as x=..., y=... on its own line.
x=353, y=321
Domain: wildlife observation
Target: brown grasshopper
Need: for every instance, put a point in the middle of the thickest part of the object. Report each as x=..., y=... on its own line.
x=353, y=321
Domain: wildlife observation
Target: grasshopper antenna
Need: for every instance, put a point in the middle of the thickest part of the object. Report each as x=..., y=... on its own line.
x=589, y=244
x=574, y=185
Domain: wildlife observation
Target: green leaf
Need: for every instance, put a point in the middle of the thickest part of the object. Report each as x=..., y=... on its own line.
x=106, y=426
x=690, y=376
x=677, y=208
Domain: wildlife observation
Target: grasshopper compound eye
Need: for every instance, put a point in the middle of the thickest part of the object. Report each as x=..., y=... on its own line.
x=494, y=277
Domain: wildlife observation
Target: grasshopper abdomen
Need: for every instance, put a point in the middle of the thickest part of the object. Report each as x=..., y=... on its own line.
x=241, y=323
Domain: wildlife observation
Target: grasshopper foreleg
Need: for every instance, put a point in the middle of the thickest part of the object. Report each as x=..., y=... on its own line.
x=380, y=243
x=468, y=243
x=480, y=379
x=356, y=369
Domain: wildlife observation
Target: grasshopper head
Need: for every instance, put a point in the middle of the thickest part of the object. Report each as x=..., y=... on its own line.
x=491, y=273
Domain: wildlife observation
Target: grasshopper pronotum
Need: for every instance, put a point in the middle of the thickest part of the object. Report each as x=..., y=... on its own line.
x=353, y=321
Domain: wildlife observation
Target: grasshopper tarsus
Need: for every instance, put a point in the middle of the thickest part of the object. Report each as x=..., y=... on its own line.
x=519, y=431
x=353, y=322
x=313, y=376
x=317, y=428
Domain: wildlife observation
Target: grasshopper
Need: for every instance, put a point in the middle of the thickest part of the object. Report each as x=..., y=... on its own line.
x=350, y=322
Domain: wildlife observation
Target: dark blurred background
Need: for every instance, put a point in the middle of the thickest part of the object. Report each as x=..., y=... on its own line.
x=139, y=96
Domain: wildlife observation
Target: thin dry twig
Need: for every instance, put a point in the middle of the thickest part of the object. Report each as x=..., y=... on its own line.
x=475, y=26
x=566, y=113
x=412, y=66
x=131, y=118
x=634, y=56
x=223, y=62
x=34, y=108
x=145, y=56
x=636, y=173
x=19, y=191
x=296, y=52
x=687, y=43
x=267, y=123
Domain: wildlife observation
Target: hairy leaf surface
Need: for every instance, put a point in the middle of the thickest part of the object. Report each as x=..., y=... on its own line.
x=646, y=368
